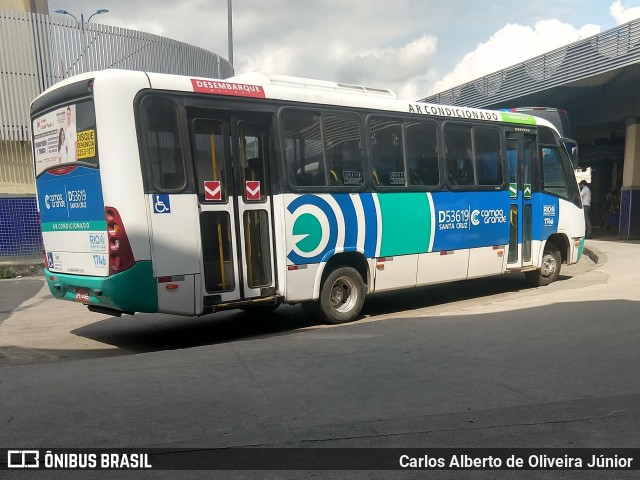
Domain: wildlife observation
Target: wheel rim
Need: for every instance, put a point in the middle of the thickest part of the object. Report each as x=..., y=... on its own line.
x=548, y=265
x=344, y=294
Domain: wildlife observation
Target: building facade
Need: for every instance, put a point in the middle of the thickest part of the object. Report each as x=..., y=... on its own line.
x=37, y=51
x=596, y=80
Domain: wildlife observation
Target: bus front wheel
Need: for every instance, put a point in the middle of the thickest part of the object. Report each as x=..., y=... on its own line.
x=341, y=297
x=549, y=270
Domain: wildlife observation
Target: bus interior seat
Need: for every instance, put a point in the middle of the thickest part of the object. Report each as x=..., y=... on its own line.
x=417, y=170
x=460, y=169
x=352, y=163
x=253, y=171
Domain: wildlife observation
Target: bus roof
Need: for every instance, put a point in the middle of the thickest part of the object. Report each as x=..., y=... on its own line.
x=305, y=90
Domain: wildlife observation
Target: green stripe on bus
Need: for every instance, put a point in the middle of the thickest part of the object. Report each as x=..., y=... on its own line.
x=406, y=223
x=74, y=226
x=134, y=290
x=517, y=118
x=580, y=249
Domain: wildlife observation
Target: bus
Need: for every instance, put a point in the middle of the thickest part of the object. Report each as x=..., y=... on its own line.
x=184, y=195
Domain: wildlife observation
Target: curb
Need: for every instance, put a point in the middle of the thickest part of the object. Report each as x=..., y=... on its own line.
x=595, y=255
x=28, y=267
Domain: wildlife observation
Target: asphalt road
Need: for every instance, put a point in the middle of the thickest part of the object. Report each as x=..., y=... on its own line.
x=485, y=363
x=15, y=291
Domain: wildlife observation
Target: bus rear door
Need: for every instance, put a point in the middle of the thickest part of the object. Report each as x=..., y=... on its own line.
x=231, y=157
x=521, y=150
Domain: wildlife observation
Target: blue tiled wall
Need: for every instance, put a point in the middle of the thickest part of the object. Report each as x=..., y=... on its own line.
x=629, y=214
x=19, y=227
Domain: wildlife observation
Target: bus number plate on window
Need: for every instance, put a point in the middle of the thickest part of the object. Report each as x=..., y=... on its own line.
x=82, y=295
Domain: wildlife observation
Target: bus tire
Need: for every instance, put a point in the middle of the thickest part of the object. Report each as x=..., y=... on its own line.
x=341, y=297
x=550, y=269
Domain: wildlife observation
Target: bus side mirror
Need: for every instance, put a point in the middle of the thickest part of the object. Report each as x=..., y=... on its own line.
x=572, y=150
x=574, y=156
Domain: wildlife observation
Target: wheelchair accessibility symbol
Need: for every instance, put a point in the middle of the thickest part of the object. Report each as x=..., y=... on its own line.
x=161, y=203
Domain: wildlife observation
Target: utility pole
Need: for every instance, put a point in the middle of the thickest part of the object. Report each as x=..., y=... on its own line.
x=230, y=31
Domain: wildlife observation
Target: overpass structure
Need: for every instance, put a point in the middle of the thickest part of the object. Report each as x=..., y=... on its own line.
x=597, y=80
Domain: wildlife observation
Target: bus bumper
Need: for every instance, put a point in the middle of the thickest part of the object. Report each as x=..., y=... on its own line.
x=580, y=249
x=133, y=290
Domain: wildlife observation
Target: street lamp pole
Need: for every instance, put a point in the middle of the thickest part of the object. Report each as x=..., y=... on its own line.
x=100, y=11
x=230, y=31
x=82, y=24
x=64, y=12
x=81, y=21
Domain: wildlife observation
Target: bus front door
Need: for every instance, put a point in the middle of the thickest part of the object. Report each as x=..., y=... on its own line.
x=231, y=158
x=521, y=148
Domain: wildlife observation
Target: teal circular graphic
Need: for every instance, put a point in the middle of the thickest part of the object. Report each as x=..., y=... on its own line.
x=315, y=242
x=316, y=231
x=309, y=226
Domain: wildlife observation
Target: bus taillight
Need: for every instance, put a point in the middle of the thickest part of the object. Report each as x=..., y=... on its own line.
x=120, y=253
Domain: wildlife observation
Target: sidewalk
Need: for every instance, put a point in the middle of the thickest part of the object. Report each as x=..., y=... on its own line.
x=619, y=261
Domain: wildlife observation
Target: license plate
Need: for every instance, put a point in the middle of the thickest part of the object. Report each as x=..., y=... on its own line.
x=82, y=295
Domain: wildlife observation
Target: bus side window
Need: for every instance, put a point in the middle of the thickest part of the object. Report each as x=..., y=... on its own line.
x=512, y=160
x=422, y=154
x=252, y=156
x=387, y=157
x=209, y=149
x=165, y=162
x=303, y=148
x=342, y=146
x=488, y=156
x=457, y=139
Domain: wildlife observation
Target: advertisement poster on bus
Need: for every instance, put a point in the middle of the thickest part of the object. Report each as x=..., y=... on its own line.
x=55, y=138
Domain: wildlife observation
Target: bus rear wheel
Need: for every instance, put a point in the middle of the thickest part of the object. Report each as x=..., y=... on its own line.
x=341, y=297
x=549, y=270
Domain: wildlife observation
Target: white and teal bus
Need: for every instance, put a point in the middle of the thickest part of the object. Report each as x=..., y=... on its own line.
x=163, y=193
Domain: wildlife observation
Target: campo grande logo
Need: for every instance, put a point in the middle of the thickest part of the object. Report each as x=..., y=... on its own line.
x=474, y=217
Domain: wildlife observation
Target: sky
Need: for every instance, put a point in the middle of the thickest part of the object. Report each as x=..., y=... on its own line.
x=413, y=47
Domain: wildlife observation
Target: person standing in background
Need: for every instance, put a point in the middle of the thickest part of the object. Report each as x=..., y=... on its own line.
x=585, y=195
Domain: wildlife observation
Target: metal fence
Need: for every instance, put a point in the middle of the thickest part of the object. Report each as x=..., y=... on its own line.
x=598, y=54
x=36, y=51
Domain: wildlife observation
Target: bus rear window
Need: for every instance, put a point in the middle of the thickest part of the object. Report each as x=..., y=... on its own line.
x=65, y=135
